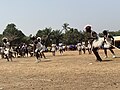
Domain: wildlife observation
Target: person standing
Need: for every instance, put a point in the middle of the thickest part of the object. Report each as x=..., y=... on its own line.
x=38, y=49
x=79, y=48
x=61, y=48
x=53, y=49
x=7, y=49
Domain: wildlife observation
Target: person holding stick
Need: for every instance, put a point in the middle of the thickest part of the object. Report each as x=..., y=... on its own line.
x=108, y=42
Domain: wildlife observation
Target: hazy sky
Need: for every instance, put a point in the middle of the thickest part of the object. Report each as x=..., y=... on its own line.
x=32, y=15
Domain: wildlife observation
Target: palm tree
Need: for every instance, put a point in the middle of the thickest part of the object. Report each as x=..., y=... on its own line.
x=57, y=36
x=65, y=27
x=45, y=35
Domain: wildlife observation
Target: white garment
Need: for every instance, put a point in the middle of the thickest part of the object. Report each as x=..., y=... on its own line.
x=60, y=48
x=107, y=44
x=79, y=48
x=97, y=43
x=89, y=46
x=43, y=48
x=53, y=49
x=83, y=46
x=7, y=45
x=39, y=47
x=6, y=51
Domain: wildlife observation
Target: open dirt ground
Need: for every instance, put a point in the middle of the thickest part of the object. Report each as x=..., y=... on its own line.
x=67, y=72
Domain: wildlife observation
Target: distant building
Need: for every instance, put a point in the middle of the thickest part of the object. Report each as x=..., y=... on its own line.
x=117, y=41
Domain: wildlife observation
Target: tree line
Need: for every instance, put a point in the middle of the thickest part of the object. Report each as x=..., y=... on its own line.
x=67, y=35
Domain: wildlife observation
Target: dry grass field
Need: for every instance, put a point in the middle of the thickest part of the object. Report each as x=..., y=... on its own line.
x=67, y=72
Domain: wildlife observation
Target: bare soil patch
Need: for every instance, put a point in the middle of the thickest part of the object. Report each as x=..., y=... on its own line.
x=69, y=71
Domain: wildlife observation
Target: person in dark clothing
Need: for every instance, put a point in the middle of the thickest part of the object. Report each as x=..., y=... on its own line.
x=91, y=36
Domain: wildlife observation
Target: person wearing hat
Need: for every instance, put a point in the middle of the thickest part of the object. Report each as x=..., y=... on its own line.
x=108, y=42
x=7, y=49
x=38, y=49
x=6, y=43
x=91, y=37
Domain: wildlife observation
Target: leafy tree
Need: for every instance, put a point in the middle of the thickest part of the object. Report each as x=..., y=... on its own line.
x=65, y=27
x=57, y=36
x=114, y=33
x=45, y=35
x=49, y=36
x=73, y=36
x=43, y=32
x=13, y=34
x=1, y=36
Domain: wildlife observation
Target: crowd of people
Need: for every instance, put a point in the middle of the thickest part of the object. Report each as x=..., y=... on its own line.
x=37, y=49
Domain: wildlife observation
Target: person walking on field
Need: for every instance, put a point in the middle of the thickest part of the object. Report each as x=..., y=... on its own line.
x=7, y=49
x=92, y=38
x=61, y=48
x=53, y=49
x=38, y=49
x=108, y=42
x=79, y=48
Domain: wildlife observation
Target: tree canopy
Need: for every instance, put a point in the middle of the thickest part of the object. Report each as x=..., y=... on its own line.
x=48, y=35
x=13, y=34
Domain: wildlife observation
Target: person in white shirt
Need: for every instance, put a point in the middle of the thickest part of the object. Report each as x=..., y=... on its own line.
x=38, y=49
x=108, y=42
x=7, y=49
x=53, y=49
x=61, y=48
x=79, y=48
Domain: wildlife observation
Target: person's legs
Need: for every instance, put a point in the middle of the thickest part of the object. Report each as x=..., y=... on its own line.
x=105, y=51
x=80, y=52
x=112, y=52
x=37, y=56
x=84, y=50
x=43, y=55
x=53, y=52
x=95, y=51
